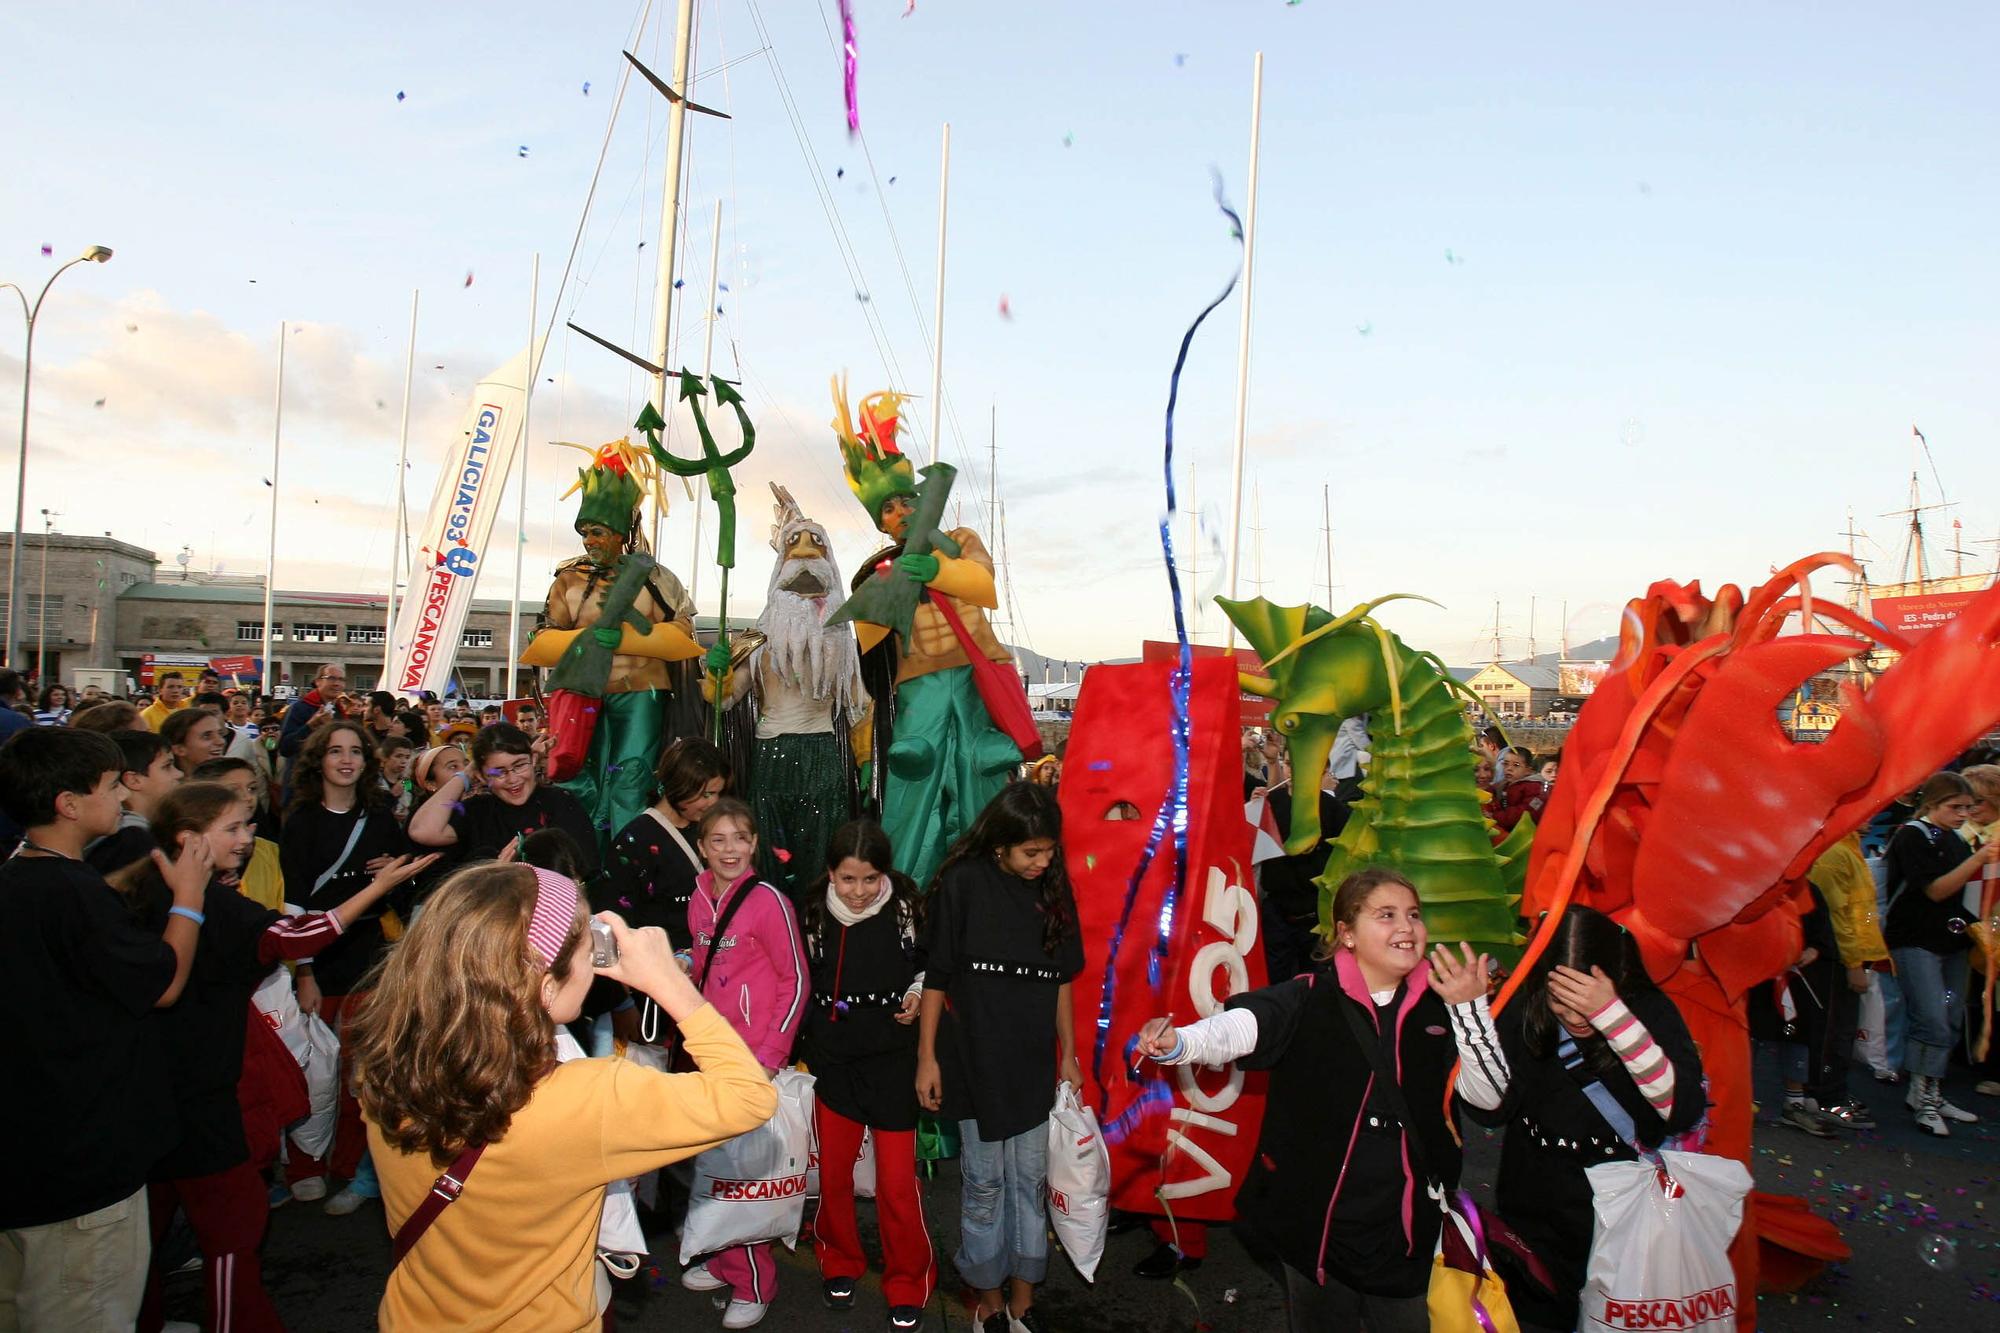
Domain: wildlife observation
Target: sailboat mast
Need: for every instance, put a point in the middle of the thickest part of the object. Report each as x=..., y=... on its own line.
x=670, y=200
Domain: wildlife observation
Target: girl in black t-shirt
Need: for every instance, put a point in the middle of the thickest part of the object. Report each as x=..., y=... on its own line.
x=212, y=1174
x=515, y=803
x=1001, y=947
x=1929, y=865
x=861, y=1045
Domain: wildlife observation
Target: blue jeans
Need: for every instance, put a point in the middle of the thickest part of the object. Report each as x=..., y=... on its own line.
x=1001, y=1233
x=1934, y=998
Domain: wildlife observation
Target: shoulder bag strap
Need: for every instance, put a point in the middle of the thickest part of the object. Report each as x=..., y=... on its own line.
x=353, y=838
x=721, y=925
x=444, y=1192
x=1392, y=1092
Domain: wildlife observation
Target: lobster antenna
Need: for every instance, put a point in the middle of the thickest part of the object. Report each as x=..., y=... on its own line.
x=1360, y=613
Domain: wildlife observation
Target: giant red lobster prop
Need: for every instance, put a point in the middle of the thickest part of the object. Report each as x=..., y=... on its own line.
x=1686, y=812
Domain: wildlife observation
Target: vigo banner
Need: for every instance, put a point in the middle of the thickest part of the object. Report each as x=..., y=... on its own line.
x=452, y=540
x=1186, y=1131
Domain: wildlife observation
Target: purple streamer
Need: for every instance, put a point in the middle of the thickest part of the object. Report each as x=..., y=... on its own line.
x=1173, y=816
x=848, y=63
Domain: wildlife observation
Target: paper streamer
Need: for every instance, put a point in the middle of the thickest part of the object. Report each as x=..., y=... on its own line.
x=848, y=62
x=1173, y=812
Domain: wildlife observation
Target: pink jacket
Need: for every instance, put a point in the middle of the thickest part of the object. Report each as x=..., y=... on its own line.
x=758, y=979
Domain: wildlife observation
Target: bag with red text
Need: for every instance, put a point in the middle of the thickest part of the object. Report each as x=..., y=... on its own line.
x=1659, y=1250
x=1079, y=1181
x=864, y=1165
x=753, y=1187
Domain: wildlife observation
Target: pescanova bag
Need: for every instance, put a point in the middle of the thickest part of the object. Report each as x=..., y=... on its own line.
x=1659, y=1249
x=753, y=1187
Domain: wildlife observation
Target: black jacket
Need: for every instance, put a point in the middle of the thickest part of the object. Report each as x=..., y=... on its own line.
x=1319, y=1095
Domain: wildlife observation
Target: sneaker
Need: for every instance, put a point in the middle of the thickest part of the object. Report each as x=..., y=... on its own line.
x=1888, y=1076
x=279, y=1196
x=698, y=1278
x=1800, y=1116
x=997, y=1322
x=193, y=1265
x=745, y=1314
x=1930, y=1122
x=1028, y=1321
x=1957, y=1113
x=310, y=1190
x=345, y=1202
x=839, y=1293
x=1987, y=1087
x=905, y=1317
x=1853, y=1115
x=1164, y=1262
x=1919, y=1091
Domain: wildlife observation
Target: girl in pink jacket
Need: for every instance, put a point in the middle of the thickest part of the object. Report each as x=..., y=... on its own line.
x=749, y=962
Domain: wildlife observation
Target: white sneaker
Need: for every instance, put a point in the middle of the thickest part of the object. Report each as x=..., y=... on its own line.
x=345, y=1202
x=745, y=1314
x=1919, y=1091
x=1958, y=1113
x=698, y=1278
x=1930, y=1122
x=310, y=1190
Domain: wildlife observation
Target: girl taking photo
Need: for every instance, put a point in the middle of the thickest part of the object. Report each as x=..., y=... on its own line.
x=994, y=1036
x=861, y=1044
x=1929, y=865
x=454, y=1054
x=748, y=960
x=1354, y=1137
x=1594, y=1064
x=210, y=1175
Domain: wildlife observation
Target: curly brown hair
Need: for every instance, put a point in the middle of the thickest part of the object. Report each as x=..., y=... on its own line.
x=309, y=769
x=454, y=1036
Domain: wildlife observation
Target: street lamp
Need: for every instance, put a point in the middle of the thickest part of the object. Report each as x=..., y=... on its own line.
x=49, y=517
x=96, y=254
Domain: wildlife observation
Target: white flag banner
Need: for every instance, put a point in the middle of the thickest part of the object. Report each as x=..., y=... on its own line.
x=453, y=539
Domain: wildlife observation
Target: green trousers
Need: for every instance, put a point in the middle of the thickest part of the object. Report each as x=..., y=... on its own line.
x=617, y=778
x=799, y=795
x=946, y=761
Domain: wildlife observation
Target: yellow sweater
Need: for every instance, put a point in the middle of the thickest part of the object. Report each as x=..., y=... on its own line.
x=1842, y=877
x=516, y=1250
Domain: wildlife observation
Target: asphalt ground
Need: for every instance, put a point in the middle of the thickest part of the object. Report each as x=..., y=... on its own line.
x=1896, y=1194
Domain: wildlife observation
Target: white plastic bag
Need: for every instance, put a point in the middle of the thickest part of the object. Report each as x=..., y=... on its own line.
x=619, y=1235
x=864, y=1165
x=1079, y=1181
x=753, y=1187
x=317, y=1050
x=1659, y=1250
x=646, y=1188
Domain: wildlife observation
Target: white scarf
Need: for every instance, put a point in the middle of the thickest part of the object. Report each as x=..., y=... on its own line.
x=846, y=917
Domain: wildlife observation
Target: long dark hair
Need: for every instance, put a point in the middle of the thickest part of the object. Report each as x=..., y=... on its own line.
x=1583, y=937
x=309, y=770
x=864, y=840
x=1022, y=812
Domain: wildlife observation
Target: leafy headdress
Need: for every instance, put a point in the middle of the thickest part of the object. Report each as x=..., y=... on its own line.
x=876, y=469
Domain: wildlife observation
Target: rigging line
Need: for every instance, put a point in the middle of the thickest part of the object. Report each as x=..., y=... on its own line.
x=583, y=217
x=917, y=305
x=843, y=245
x=639, y=284
x=833, y=491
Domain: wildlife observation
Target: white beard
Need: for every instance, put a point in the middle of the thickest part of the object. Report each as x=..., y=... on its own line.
x=822, y=663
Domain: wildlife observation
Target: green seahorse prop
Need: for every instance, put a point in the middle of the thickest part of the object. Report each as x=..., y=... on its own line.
x=715, y=465
x=1419, y=811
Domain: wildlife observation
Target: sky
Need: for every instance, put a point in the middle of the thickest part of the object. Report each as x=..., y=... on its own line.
x=1549, y=301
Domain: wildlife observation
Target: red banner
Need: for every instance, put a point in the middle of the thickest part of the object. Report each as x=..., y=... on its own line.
x=1188, y=1132
x=1919, y=614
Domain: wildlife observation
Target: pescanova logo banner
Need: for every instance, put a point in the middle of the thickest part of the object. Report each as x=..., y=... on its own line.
x=453, y=540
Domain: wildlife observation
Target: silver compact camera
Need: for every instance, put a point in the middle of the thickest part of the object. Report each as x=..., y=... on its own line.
x=603, y=945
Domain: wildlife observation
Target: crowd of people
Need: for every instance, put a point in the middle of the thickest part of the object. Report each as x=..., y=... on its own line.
x=405, y=874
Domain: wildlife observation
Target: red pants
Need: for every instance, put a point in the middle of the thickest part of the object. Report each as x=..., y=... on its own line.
x=750, y=1271
x=1193, y=1240
x=909, y=1267
x=350, y=1137
x=228, y=1211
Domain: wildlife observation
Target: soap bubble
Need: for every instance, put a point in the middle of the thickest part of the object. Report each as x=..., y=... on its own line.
x=1956, y=925
x=1938, y=1253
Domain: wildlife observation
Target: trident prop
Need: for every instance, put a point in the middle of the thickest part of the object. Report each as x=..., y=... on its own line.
x=715, y=465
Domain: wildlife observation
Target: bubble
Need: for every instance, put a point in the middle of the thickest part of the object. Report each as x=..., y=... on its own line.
x=1632, y=433
x=1956, y=925
x=1938, y=1253
x=1631, y=641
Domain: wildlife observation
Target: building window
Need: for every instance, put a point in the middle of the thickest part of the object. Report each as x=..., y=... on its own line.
x=306, y=631
x=249, y=631
x=476, y=638
x=366, y=634
x=37, y=610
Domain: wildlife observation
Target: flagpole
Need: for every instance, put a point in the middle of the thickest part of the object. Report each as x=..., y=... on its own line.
x=1243, y=336
x=707, y=362
x=521, y=512
x=271, y=544
x=398, y=551
x=937, y=347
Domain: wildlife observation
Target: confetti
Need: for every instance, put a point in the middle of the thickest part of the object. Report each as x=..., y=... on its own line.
x=892, y=180
x=840, y=173
x=848, y=63
x=1364, y=329
x=861, y=297
x=784, y=856
x=267, y=481
x=399, y=96
x=1006, y=310
x=468, y=280
x=131, y=328
x=723, y=285
x=48, y=250
x=1180, y=60
x=100, y=402
x=679, y=283
x=1068, y=138
x=910, y=8
x=1451, y=258
x=586, y=90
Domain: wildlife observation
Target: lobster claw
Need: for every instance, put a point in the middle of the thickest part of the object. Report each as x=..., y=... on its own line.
x=1738, y=798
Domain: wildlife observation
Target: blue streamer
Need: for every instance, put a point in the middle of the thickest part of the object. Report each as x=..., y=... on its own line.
x=1173, y=816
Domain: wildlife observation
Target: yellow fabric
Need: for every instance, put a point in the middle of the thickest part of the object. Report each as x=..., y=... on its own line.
x=1842, y=876
x=1451, y=1295
x=931, y=644
x=155, y=714
x=517, y=1249
x=967, y=580
x=263, y=879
